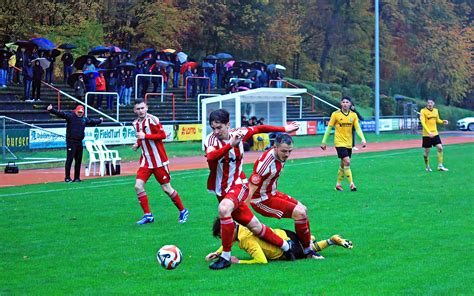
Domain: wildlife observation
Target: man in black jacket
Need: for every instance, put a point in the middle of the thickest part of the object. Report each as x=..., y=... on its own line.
x=76, y=123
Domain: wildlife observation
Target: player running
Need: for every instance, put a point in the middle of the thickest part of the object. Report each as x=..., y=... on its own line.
x=343, y=120
x=268, y=201
x=429, y=117
x=224, y=152
x=150, y=135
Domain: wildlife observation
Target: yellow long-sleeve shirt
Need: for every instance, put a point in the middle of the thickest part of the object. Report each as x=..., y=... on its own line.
x=343, y=123
x=429, y=119
x=260, y=250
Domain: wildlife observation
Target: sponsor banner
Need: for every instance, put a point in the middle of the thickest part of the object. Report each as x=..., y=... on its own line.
x=303, y=130
x=368, y=125
x=17, y=139
x=311, y=127
x=395, y=124
x=385, y=125
x=321, y=126
x=47, y=138
x=189, y=132
x=169, y=130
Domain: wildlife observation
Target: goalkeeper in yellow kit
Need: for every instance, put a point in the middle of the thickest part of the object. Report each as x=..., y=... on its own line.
x=262, y=252
x=343, y=120
x=429, y=117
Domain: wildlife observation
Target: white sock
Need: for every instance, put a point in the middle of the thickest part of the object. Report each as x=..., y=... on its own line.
x=285, y=246
x=330, y=242
x=226, y=255
x=307, y=250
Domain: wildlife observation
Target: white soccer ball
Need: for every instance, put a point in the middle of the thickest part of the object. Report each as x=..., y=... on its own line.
x=169, y=256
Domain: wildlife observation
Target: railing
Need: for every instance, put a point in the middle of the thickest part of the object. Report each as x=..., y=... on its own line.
x=301, y=104
x=103, y=93
x=173, y=99
x=199, y=102
x=196, y=77
x=149, y=75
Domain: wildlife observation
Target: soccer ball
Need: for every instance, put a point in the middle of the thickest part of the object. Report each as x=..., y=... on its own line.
x=169, y=256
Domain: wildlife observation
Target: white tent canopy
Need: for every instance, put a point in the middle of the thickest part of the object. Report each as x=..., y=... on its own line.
x=269, y=103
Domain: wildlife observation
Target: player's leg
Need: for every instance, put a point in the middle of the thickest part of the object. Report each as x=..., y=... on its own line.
x=335, y=240
x=142, y=177
x=225, y=209
x=426, y=144
x=347, y=169
x=162, y=175
x=340, y=176
x=439, y=146
x=70, y=151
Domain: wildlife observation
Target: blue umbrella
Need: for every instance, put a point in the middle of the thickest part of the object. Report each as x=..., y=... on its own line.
x=99, y=50
x=207, y=65
x=127, y=66
x=67, y=46
x=89, y=72
x=211, y=57
x=224, y=56
x=163, y=63
x=145, y=53
x=43, y=43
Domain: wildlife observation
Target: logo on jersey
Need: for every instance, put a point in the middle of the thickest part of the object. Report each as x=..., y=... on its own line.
x=255, y=179
x=227, y=160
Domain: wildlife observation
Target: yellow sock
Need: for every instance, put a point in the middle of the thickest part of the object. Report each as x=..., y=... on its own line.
x=427, y=160
x=321, y=245
x=348, y=173
x=340, y=175
x=440, y=158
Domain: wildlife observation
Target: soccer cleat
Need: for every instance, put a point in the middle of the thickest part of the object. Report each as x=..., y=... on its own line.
x=147, y=218
x=353, y=187
x=442, y=168
x=77, y=180
x=289, y=254
x=221, y=263
x=183, y=216
x=338, y=240
x=428, y=169
x=68, y=180
x=339, y=187
x=313, y=255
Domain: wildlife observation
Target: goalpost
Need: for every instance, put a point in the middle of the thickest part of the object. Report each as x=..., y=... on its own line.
x=269, y=103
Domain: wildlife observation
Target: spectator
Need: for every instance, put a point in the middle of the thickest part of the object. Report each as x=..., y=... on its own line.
x=245, y=122
x=80, y=88
x=157, y=70
x=121, y=86
x=68, y=61
x=100, y=86
x=91, y=87
x=27, y=79
x=145, y=80
x=3, y=68
x=176, y=68
x=261, y=121
x=111, y=87
x=128, y=87
x=37, y=77
x=194, y=82
x=220, y=71
x=253, y=121
x=88, y=66
x=50, y=70
x=11, y=70
x=22, y=60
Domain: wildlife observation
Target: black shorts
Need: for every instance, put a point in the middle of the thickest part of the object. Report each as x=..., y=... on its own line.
x=343, y=152
x=297, y=249
x=431, y=142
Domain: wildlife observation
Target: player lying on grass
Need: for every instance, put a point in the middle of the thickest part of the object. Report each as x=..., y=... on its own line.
x=262, y=252
x=268, y=201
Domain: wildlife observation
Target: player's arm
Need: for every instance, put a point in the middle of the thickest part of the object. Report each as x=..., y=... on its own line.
x=441, y=121
x=252, y=247
x=328, y=131
x=61, y=114
x=215, y=254
x=289, y=128
x=252, y=189
x=359, y=131
x=213, y=154
x=157, y=133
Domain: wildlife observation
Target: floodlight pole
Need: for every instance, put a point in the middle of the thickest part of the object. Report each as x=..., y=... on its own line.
x=377, y=69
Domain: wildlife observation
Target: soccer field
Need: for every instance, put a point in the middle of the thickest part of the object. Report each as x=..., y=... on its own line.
x=412, y=233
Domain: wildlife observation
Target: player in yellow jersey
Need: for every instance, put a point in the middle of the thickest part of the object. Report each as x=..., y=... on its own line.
x=343, y=120
x=429, y=117
x=262, y=252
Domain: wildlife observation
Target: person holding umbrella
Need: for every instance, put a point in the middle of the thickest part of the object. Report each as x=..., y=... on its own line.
x=68, y=61
x=38, y=73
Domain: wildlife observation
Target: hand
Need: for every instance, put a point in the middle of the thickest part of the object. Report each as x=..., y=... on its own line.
x=294, y=126
x=211, y=256
x=235, y=139
x=234, y=260
x=364, y=143
x=323, y=146
x=101, y=119
x=430, y=134
x=49, y=107
x=135, y=147
x=140, y=135
x=445, y=122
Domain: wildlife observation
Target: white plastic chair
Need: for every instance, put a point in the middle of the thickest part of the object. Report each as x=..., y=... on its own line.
x=97, y=156
x=111, y=154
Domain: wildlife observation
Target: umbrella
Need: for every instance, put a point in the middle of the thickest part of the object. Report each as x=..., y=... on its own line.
x=242, y=64
x=115, y=49
x=168, y=50
x=207, y=65
x=224, y=56
x=89, y=72
x=52, y=53
x=6, y=53
x=211, y=57
x=229, y=64
x=44, y=63
x=145, y=53
x=99, y=50
x=43, y=43
x=271, y=67
x=72, y=79
x=182, y=57
x=12, y=46
x=127, y=66
x=258, y=65
x=80, y=61
x=163, y=63
x=26, y=44
x=67, y=46
x=185, y=66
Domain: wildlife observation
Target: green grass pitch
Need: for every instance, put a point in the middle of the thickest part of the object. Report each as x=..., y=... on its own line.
x=412, y=233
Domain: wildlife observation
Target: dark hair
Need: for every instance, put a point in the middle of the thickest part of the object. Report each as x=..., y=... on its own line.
x=139, y=101
x=346, y=98
x=219, y=116
x=283, y=138
x=216, y=228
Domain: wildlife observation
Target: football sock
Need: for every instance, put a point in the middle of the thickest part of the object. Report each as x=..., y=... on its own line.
x=143, y=200
x=348, y=173
x=340, y=175
x=440, y=158
x=321, y=245
x=176, y=200
x=226, y=255
x=269, y=236
x=427, y=160
x=303, y=233
x=227, y=233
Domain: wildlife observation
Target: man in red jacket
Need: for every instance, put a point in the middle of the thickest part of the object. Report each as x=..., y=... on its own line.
x=150, y=135
x=101, y=86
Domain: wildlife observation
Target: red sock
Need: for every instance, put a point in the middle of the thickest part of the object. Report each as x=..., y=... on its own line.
x=227, y=233
x=269, y=236
x=176, y=200
x=303, y=232
x=143, y=200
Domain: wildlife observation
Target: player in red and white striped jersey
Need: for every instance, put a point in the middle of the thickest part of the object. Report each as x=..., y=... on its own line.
x=224, y=152
x=150, y=135
x=266, y=200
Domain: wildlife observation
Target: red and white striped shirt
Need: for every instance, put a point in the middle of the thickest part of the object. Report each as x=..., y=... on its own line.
x=153, y=150
x=266, y=171
x=225, y=162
